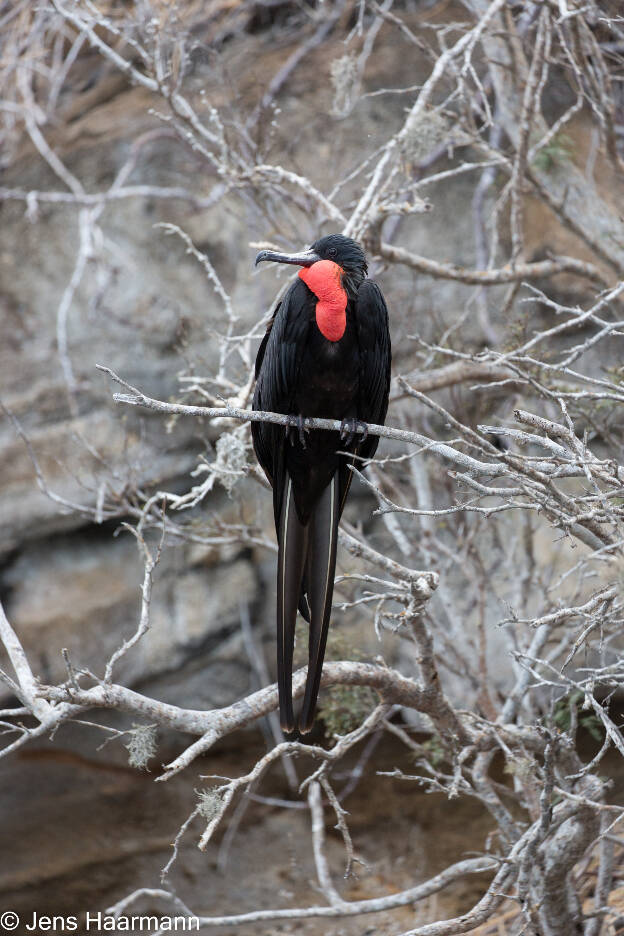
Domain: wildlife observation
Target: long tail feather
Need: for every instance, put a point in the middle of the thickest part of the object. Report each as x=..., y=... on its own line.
x=291, y=558
x=320, y=569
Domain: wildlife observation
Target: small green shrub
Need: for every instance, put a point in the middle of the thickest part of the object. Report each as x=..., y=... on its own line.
x=587, y=719
x=343, y=708
x=554, y=154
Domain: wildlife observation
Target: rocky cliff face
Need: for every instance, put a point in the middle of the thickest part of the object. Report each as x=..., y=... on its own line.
x=69, y=577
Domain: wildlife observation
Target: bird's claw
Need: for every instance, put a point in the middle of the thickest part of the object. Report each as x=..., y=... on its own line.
x=349, y=428
x=298, y=423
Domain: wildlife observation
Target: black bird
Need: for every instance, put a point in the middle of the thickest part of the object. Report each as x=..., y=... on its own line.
x=326, y=352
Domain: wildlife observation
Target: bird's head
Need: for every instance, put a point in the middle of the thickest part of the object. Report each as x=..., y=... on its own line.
x=343, y=251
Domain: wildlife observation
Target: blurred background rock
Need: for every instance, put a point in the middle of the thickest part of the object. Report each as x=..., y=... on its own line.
x=80, y=825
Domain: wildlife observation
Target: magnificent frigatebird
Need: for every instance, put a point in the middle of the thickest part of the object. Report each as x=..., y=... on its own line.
x=326, y=353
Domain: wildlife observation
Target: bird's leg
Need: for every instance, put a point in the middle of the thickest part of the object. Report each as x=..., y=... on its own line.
x=350, y=427
x=298, y=423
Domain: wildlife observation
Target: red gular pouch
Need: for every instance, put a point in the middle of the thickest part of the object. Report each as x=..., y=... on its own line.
x=324, y=279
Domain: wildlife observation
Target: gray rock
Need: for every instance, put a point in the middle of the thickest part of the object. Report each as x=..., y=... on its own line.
x=82, y=593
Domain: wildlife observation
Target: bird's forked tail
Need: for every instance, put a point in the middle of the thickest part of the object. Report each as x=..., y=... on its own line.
x=310, y=548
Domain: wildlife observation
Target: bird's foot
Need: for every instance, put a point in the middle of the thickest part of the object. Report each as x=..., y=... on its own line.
x=349, y=428
x=297, y=423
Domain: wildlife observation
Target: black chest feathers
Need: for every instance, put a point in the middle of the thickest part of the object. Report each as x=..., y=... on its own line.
x=328, y=378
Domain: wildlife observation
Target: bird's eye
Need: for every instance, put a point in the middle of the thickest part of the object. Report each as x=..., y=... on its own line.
x=332, y=251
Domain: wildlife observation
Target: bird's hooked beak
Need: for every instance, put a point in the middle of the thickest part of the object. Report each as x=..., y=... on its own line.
x=306, y=258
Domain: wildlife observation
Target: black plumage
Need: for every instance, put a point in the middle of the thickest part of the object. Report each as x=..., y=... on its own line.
x=302, y=373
